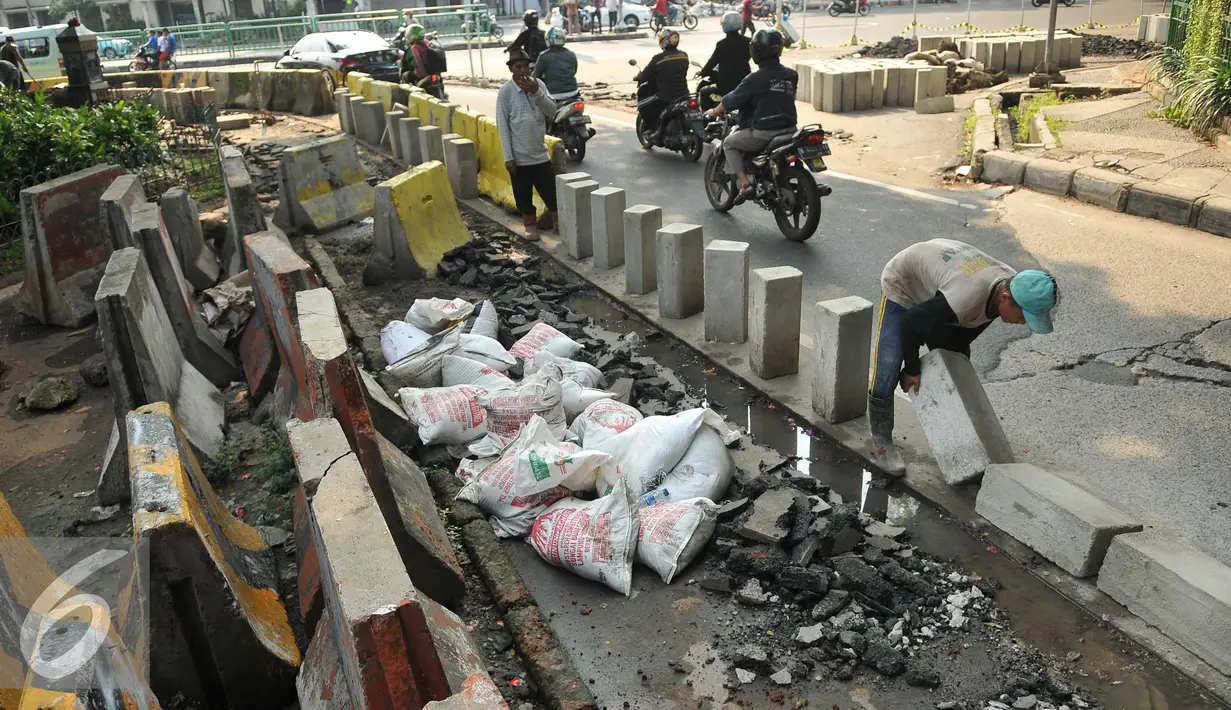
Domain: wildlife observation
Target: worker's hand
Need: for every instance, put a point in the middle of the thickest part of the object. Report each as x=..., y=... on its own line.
x=526, y=83
x=909, y=383
x=510, y=166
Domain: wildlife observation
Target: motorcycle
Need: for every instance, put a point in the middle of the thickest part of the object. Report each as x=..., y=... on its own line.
x=780, y=173
x=487, y=27
x=572, y=126
x=681, y=127
x=149, y=62
x=683, y=16
x=1041, y=3
x=433, y=84
x=838, y=7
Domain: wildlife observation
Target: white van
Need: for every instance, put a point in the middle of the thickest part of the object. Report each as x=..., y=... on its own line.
x=39, y=50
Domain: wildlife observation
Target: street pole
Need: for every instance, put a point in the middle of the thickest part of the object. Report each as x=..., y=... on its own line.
x=1049, y=74
x=969, y=27
x=1022, y=25
x=1090, y=22
x=855, y=32
x=914, y=18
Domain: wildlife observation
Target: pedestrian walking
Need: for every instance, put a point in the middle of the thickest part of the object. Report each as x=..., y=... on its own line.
x=523, y=107
x=574, y=23
x=9, y=53
x=943, y=294
x=613, y=14
x=745, y=14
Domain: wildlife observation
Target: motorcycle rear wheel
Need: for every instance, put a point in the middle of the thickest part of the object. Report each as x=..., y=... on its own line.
x=690, y=22
x=642, y=136
x=576, y=149
x=719, y=187
x=864, y=10
x=834, y=10
x=798, y=211
x=694, y=146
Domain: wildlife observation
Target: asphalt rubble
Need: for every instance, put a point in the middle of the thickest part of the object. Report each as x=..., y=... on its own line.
x=858, y=598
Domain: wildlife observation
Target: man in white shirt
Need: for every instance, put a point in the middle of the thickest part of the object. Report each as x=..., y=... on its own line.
x=613, y=14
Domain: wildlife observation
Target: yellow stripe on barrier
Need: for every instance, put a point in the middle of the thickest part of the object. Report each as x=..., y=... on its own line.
x=352, y=81
x=381, y=91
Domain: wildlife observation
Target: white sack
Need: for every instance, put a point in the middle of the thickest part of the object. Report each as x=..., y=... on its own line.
x=493, y=491
x=602, y=420
x=488, y=351
x=593, y=539
x=544, y=337
x=704, y=471
x=468, y=469
x=646, y=452
x=399, y=339
x=464, y=371
x=484, y=321
x=445, y=415
x=673, y=533
x=583, y=373
x=544, y=462
x=511, y=407
x=433, y=314
x=421, y=368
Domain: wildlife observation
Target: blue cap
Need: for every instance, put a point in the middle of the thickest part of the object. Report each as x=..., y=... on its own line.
x=1035, y=292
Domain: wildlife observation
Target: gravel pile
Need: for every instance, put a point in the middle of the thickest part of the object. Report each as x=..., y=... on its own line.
x=893, y=48
x=1106, y=45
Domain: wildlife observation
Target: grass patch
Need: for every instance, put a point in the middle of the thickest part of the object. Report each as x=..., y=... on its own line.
x=276, y=467
x=208, y=190
x=12, y=257
x=1025, y=110
x=968, y=133
x=222, y=467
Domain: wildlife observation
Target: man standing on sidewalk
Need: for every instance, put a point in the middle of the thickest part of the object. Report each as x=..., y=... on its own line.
x=523, y=107
x=943, y=294
x=9, y=53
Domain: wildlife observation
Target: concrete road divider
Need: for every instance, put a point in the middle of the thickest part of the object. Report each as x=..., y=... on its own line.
x=396, y=647
x=408, y=136
x=441, y=114
x=641, y=225
x=1059, y=520
x=258, y=354
x=116, y=207
x=957, y=418
x=1183, y=592
x=65, y=251
x=381, y=91
x=726, y=291
x=842, y=353
x=198, y=344
x=573, y=192
x=218, y=628
x=681, y=270
x=607, y=205
x=145, y=364
x=775, y=305
x=341, y=101
x=417, y=221
x=245, y=213
x=182, y=219
x=395, y=135
x=370, y=120
x=322, y=185
x=354, y=101
x=313, y=94
x=462, y=165
x=431, y=143
x=466, y=123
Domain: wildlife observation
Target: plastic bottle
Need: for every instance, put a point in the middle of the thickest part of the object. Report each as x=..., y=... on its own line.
x=659, y=496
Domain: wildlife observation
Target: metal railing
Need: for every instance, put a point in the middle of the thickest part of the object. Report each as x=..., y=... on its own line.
x=1178, y=29
x=284, y=32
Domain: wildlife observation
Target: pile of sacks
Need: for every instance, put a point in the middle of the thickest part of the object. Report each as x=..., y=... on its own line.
x=552, y=456
x=965, y=73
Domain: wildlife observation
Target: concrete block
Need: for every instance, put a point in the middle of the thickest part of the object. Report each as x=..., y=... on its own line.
x=1060, y=521
x=935, y=104
x=765, y=525
x=65, y=251
x=370, y=115
x=408, y=135
x=878, y=87
x=848, y=91
x=576, y=228
x=1215, y=216
x=431, y=144
x=958, y=419
x=726, y=291
x=322, y=185
x=893, y=78
x=863, y=90
x=681, y=274
x=1183, y=592
x=417, y=221
x=388, y=416
x=831, y=91
x=116, y=208
x=246, y=216
x=997, y=55
x=321, y=684
x=641, y=225
x=145, y=365
x=197, y=343
x=341, y=100
x=478, y=693
x=1071, y=56
x=258, y=354
x=817, y=91
x=1004, y=167
x=462, y=166
x=775, y=305
x=218, y=627
x=983, y=52
x=353, y=101
x=1029, y=60
x=1013, y=56
x=1102, y=187
x=607, y=206
x=1051, y=176
x=804, y=92
x=842, y=351
x=183, y=222
x=929, y=84
x=394, y=134
x=1168, y=203
x=906, y=85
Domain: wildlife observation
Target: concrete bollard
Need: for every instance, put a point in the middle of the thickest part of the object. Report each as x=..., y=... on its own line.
x=394, y=135
x=463, y=168
x=607, y=220
x=353, y=101
x=576, y=229
x=958, y=419
x=681, y=270
x=842, y=346
x=371, y=120
x=341, y=100
x=431, y=144
x=775, y=297
x=412, y=149
x=641, y=225
x=726, y=291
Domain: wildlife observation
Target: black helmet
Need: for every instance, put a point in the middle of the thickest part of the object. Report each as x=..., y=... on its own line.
x=531, y=18
x=766, y=44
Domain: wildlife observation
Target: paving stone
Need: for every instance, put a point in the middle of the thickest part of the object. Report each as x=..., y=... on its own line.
x=1153, y=171
x=1199, y=179
x=766, y=522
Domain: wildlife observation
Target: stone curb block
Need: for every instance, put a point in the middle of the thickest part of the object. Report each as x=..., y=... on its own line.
x=1215, y=216
x=1050, y=176
x=1004, y=167
x=1102, y=187
x=1166, y=203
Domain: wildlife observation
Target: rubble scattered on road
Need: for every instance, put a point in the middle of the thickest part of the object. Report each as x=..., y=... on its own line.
x=94, y=371
x=893, y=48
x=50, y=393
x=1107, y=45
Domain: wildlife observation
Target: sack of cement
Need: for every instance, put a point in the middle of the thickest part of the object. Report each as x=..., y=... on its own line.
x=464, y=371
x=593, y=539
x=544, y=337
x=484, y=321
x=488, y=351
x=602, y=420
x=492, y=490
x=704, y=471
x=421, y=368
x=511, y=407
x=673, y=533
x=399, y=339
x=433, y=314
x=650, y=449
x=445, y=415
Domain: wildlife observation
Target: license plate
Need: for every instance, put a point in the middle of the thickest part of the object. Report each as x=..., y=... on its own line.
x=812, y=151
x=694, y=115
x=578, y=120
x=816, y=165
x=825, y=149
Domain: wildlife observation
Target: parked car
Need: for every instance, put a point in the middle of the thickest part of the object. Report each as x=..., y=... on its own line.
x=113, y=48
x=636, y=12
x=343, y=52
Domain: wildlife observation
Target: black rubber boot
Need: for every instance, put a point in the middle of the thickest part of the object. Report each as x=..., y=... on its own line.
x=880, y=420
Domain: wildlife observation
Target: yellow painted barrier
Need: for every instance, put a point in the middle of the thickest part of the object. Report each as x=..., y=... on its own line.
x=441, y=114
x=381, y=91
x=417, y=220
x=466, y=123
x=365, y=87
x=352, y=81
x=419, y=108
x=323, y=185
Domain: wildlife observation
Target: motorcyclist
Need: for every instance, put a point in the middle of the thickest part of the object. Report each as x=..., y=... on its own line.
x=413, y=59
x=149, y=50
x=665, y=9
x=666, y=77
x=557, y=67
x=766, y=102
x=531, y=39
x=728, y=65
x=408, y=19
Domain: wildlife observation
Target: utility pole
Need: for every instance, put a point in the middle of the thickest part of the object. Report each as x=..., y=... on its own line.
x=1048, y=72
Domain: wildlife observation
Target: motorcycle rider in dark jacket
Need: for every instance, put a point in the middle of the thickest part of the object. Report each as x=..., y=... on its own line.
x=666, y=77
x=532, y=38
x=728, y=65
x=557, y=67
x=766, y=102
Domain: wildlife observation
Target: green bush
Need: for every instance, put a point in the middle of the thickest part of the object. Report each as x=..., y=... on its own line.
x=38, y=141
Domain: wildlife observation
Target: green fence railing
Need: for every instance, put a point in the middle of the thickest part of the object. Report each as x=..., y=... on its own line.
x=1178, y=27
x=284, y=32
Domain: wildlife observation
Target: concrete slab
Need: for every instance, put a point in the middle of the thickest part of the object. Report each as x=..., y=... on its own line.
x=681, y=270
x=842, y=348
x=641, y=225
x=183, y=222
x=726, y=291
x=1153, y=171
x=116, y=205
x=1180, y=590
x=1064, y=523
x=957, y=418
x=1051, y=176
x=1162, y=202
x=245, y=213
x=1196, y=179
x=765, y=523
x=775, y=305
x=1102, y=187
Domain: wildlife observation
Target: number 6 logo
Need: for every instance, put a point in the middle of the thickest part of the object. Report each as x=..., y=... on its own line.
x=51, y=607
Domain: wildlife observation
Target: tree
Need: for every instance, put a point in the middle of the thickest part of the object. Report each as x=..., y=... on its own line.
x=60, y=9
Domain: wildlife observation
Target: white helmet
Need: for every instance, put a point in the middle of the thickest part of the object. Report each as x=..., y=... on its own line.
x=556, y=37
x=732, y=21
